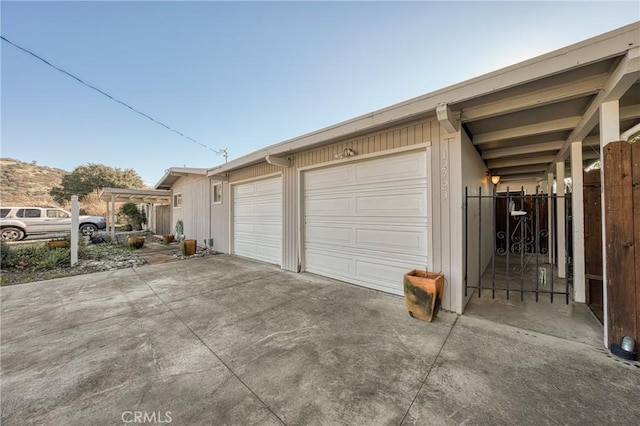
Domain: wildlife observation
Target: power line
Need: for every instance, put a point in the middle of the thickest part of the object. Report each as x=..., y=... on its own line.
x=217, y=152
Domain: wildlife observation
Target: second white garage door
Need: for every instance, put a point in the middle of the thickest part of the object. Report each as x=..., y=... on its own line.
x=257, y=220
x=366, y=222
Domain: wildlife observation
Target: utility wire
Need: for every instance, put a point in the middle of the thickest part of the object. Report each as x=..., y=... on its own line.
x=218, y=152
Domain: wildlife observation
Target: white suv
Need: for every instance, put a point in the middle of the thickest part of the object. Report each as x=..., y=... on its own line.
x=18, y=222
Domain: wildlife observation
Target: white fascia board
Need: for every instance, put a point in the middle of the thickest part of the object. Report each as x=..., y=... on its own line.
x=179, y=171
x=588, y=51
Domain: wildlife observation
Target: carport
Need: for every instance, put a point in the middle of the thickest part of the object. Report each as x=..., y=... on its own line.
x=152, y=198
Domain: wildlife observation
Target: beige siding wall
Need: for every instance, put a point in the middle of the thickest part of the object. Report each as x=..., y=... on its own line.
x=396, y=137
x=473, y=176
x=195, y=211
x=220, y=221
x=290, y=256
x=412, y=133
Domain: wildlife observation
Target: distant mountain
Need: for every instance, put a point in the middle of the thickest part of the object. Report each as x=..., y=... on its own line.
x=27, y=184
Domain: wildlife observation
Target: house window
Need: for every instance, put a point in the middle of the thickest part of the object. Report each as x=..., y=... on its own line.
x=177, y=200
x=217, y=194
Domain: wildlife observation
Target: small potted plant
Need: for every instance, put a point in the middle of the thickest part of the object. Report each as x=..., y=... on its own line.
x=60, y=242
x=135, y=242
x=188, y=246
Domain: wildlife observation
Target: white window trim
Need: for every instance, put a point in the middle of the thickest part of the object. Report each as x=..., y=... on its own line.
x=174, y=198
x=213, y=192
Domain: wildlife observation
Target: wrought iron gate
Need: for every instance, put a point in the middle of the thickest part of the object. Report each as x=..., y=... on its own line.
x=524, y=255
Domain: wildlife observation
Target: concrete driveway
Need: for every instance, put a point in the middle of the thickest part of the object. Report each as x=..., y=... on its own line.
x=224, y=340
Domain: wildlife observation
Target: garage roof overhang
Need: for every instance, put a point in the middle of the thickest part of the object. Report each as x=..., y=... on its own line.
x=155, y=196
x=521, y=119
x=172, y=174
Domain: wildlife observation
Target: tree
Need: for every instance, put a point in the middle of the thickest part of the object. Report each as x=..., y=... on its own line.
x=93, y=177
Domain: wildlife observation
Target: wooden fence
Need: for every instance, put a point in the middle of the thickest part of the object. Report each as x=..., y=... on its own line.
x=163, y=220
x=621, y=166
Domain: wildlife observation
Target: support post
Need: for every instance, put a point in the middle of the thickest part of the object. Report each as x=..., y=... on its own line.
x=577, y=203
x=113, y=218
x=550, y=233
x=75, y=225
x=560, y=212
x=609, y=132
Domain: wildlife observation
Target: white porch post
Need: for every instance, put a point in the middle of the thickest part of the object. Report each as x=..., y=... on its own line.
x=609, y=132
x=75, y=223
x=551, y=234
x=113, y=218
x=560, y=212
x=108, y=217
x=577, y=208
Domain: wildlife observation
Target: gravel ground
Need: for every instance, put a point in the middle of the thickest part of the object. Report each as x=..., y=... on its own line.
x=100, y=257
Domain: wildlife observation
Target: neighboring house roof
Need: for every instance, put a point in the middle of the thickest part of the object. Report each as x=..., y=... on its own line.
x=172, y=174
x=135, y=195
x=522, y=118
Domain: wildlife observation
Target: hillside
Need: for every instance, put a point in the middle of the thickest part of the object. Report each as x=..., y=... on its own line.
x=27, y=184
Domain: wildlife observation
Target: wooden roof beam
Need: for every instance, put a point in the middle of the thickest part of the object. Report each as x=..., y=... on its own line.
x=528, y=130
x=513, y=162
x=563, y=92
x=493, y=154
x=623, y=77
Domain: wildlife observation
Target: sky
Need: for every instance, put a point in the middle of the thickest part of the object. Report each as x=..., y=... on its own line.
x=245, y=75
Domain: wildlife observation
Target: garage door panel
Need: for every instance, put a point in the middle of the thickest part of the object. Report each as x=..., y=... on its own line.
x=370, y=226
x=257, y=220
x=391, y=205
x=391, y=169
x=331, y=206
x=409, y=241
x=324, y=263
x=269, y=186
x=330, y=234
x=273, y=230
x=385, y=277
x=258, y=250
x=345, y=189
x=329, y=178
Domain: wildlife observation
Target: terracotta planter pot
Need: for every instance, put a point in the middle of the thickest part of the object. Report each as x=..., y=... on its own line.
x=168, y=238
x=135, y=242
x=57, y=244
x=423, y=293
x=188, y=247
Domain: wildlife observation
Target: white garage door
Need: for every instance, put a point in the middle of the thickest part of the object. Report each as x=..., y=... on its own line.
x=257, y=220
x=366, y=222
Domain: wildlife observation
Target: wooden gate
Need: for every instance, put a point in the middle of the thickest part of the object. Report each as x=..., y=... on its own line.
x=593, y=242
x=621, y=163
x=163, y=220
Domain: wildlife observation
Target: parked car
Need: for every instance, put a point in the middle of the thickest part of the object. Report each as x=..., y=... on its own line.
x=16, y=223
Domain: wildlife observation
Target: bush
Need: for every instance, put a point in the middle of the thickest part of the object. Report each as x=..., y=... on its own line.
x=55, y=258
x=133, y=215
x=39, y=256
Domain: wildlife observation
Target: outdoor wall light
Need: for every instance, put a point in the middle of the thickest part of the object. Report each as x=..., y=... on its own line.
x=495, y=179
x=348, y=152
